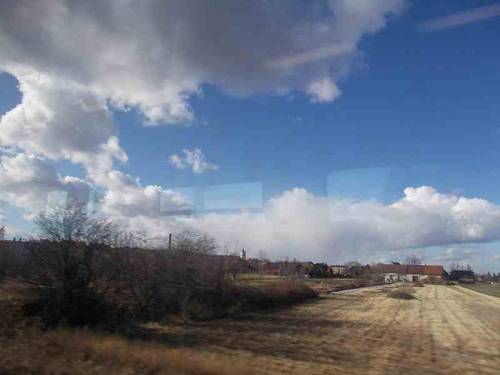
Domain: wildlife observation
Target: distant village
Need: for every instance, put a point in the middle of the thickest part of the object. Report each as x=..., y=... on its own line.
x=391, y=273
x=237, y=264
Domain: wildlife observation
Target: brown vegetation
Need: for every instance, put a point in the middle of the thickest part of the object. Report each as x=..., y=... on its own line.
x=81, y=352
x=284, y=292
x=489, y=289
x=402, y=292
x=85, y=272
x=445, y=330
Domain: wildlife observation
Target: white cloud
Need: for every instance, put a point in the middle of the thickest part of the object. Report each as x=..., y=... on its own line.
x=26, y=181
x=312, y=55
x=195, y=159
x=13, y=232
x=60, y=120
x=176, y=161
x=323, y=90
x=454, y=254
x=126, y=197
x=174, y=47
x=76, y=61
x=30, y=182
x=300, y=224
x=461, y=18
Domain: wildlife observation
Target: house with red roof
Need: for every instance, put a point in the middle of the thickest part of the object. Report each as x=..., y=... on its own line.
x=409, y=272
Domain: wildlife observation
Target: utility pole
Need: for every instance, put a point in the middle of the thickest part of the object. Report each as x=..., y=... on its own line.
x=169, y=241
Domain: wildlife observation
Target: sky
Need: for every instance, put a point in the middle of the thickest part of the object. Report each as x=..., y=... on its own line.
x=326, y=131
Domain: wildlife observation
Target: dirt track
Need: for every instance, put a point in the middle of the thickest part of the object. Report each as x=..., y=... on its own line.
x=445, y=330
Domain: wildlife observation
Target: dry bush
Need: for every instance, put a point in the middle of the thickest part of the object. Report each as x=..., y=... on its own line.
x=84, y=279
x=277, y=294
x=86, y=274
x=81, y=352
x=234, y=299
x=98, y=285
x=11, y=261
x=13, y=296
x=403, y=292
x=65, y=277
x=434, y=281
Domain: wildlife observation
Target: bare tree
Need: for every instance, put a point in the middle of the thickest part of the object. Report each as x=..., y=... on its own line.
x=192, y=242
x=71, y=222
x=62, y=266
x=88, y=271
x=413, y=259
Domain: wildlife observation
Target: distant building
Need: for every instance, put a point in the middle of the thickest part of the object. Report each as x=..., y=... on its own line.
x=463, y=276
x=270, y=268
x=409, y=272
x=338, y=270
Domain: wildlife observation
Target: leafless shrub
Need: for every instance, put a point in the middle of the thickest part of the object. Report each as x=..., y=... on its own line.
x=403, y=292
x=282, y=293
x=11, y=261
x=83, y=278
x=434, y=280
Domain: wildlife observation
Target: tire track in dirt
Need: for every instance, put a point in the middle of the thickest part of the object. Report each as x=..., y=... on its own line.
x=460, y=341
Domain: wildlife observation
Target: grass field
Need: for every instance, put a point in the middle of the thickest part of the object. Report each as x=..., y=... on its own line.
x=443, y=330
x=489, y=289
x=320, y=285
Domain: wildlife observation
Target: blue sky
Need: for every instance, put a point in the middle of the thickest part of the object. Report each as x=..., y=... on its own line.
x=417, y=108
x=425, y=105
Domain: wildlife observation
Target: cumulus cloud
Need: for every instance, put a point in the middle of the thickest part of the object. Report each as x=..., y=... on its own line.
x=60, y=120
x=194, y=159
x=32, y=183
x=300, y=224
x=126, y=197
x=323, y=90
x=76, y=62
x=26, y=181
x=177, y=46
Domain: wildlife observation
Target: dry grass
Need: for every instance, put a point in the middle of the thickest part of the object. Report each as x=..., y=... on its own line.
x=335, y=284
x=321, y=285
x=441, y=332
x=254, y=279
x=81, y=352
x=13, y=296
x=402, y=292
x=489, y=289
x=282, y=293
x=26, y=349
x=447, y=330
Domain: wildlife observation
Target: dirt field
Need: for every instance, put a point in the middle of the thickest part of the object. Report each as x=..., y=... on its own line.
x=445, y=330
